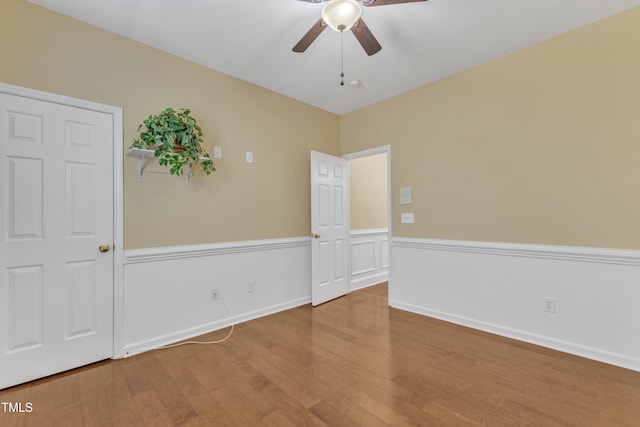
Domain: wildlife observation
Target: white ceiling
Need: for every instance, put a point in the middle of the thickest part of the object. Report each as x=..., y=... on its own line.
x=421, y=42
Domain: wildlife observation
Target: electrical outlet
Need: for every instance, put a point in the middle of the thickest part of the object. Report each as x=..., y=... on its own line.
x=550, y=305
x=214, y=294
x=250, y=286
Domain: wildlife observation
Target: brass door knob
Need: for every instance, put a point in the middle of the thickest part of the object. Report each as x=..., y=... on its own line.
x=315, y=235
x=104, y=248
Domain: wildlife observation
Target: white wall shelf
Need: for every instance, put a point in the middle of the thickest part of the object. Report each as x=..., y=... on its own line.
x=142, y=154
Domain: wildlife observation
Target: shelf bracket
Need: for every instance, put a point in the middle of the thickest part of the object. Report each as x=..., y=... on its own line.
x=140, y=165
x=142, y=154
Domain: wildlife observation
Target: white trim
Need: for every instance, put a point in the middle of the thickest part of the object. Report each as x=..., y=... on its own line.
x=367, y=153
x=565, y=253
x=368, y=231
x=118, y=222
x=133, y=256
x=58, y=99
x=371, y=280
x=118, y=230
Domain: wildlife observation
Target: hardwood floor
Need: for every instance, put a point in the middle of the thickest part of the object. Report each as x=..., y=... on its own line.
x=350, y=362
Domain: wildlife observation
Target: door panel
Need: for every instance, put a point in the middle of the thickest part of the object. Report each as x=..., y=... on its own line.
x=24, y=307
x=81, y=204
x=24, y=190
x=56, y=200
x=80, y=304
x=328, y=222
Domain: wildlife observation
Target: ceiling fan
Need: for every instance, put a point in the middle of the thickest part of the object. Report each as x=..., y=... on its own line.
x=342, y=15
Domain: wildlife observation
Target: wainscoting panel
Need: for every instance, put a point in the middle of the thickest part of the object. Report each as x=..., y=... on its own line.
x=584, y=301
x=369, y=257
x=168, y=291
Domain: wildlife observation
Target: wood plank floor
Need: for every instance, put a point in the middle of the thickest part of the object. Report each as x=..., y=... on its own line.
x=350, y=362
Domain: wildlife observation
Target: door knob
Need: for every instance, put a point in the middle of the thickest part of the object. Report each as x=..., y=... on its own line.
x=315, y=235
x=104, y=248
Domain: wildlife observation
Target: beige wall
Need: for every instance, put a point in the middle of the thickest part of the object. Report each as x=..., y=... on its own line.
x=541, y=146
x=368, y=192
x=268, y=199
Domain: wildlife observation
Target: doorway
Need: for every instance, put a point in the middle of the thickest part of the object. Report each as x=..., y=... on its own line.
x=340, y=261
x=369, y=216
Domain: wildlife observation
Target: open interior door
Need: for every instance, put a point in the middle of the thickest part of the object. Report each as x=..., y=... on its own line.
x=329, y=228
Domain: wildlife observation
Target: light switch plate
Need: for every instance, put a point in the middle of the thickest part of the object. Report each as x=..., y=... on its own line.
x=405, y=196
x=217, y=152
x=248, y=157
x=407, y=218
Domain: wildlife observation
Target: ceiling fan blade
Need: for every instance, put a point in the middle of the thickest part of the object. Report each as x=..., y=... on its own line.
x=383, y=2
x=311, y=35
x=365, y=37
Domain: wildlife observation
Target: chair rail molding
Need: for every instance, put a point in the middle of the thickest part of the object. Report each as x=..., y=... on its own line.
x=133, y=256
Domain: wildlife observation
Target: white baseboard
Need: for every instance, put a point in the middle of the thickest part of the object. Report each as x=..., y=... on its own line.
x=369, y=281
x=544, y=341
x=167, y=291
x=501, y=289
x=233, y=319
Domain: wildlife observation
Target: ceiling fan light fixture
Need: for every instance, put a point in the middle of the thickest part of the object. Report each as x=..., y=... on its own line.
x=341, y=15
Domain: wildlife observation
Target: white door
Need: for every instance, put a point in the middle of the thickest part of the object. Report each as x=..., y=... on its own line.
x=329, y=228
x=56, y=207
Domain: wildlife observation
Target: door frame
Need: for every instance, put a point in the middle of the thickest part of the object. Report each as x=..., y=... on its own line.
x=118, y=212
x=366, y=153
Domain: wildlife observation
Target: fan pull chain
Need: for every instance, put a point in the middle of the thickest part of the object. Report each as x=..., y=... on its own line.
x=341, y=59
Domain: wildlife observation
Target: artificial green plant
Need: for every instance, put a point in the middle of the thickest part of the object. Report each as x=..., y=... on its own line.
x=176, y=140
